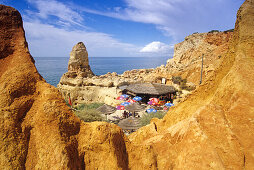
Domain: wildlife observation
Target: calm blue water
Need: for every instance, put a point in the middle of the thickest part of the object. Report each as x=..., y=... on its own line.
x=52, y=68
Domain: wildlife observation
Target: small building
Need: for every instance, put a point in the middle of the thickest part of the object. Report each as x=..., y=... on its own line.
x=148, y=90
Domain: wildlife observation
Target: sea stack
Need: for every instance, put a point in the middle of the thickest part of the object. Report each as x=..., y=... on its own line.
x=80, y=83
x=78, y=63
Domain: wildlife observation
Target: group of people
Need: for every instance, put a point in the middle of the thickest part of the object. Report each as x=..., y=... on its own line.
x=128, y=114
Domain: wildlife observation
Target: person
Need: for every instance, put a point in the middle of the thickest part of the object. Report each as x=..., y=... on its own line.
x=125, y=114
x=130, y=114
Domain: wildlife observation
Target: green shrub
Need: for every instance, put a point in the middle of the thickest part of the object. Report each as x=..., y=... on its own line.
x=212, y=31
x=67, y=102
x=230, y=30
x=90, y=115
x=88, y=106
x=176, y=79
x=145, y=119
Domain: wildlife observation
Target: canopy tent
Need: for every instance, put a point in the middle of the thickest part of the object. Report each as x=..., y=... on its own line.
x=147, y=90
x=150, y=88
x=106, y=109
x=131, y=123
x=134, y=107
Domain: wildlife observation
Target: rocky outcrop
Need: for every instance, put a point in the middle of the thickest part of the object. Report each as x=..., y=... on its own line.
x=78, y=63
x=185, y=63
x=37, y=129
x=188, y=55
x=212, y=129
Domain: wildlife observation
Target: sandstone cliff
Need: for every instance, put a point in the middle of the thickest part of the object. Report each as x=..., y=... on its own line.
x=187, y=57
x=38, y=130
x=212, y=129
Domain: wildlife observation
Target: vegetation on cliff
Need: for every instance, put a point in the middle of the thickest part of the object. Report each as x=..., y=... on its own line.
x=146, y=119
x=88, y=112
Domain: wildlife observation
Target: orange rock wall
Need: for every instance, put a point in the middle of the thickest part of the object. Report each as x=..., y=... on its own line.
x=38, y=130
x=213, y=128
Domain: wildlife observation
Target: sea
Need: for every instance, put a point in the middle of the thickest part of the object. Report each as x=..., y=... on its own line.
x=52, y=68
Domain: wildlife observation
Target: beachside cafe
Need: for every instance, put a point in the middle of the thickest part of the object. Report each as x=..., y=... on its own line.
x=150, y=90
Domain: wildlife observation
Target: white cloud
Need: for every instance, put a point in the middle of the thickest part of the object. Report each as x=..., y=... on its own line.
x=157, y=47
x=175, y=18
x=49, y=41
x=178, y=18
x=49, y=38
x=47, y=8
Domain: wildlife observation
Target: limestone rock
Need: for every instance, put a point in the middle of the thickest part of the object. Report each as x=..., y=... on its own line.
x=78, y=63
x=188, y=55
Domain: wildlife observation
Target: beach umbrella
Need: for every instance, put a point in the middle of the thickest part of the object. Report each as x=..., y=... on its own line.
x=106, y=109
x=166, y=108
x=131, y=101
x=137, y=98
x=120, y=98
x=125, y=96
x=120, y=107
x=135, y=107
x=151, y=110
x=155, y=100
x=131, y=123
x=169, y=104
x=151, y=103
x=125, y=103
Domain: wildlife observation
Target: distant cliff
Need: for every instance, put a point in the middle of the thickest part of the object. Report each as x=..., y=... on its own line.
x=188, y=55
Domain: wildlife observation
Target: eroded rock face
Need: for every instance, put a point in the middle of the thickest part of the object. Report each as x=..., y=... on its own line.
x=37, y=129
x=78, y=63
x=213, y=128
x=188, y=55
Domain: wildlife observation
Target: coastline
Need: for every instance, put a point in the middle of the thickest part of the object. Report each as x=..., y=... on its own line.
x=52, y=68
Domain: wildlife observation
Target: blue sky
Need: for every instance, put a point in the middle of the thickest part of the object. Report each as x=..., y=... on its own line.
x=119, y=28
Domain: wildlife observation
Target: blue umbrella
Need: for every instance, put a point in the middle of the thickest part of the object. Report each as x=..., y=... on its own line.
x=125, y=103
x=137, y=98
x=151, y=110
x=169, y=104
x=125, y=96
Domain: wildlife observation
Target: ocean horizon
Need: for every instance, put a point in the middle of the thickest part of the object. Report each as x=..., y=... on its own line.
x=52, y=68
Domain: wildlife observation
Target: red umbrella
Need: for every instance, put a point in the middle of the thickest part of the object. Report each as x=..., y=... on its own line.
x=120, y=98
x=131, y=101
x=155, y=100
x=120, y=107
x=152, y=103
